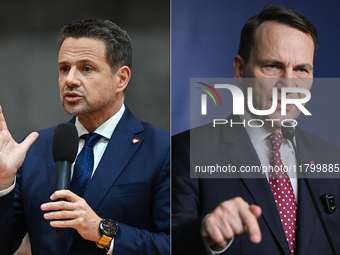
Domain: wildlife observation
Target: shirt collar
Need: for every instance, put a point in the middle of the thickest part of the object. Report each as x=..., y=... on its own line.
x=106, y=129
x=256, y=134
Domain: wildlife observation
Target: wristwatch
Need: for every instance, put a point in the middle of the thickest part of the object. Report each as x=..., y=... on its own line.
x=108, y=229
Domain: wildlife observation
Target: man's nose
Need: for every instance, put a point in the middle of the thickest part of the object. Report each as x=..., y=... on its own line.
x=72, y=78
x=287, y=79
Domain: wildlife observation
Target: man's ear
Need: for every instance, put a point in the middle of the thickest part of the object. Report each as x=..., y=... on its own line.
x=123, y=74
x=239, y=69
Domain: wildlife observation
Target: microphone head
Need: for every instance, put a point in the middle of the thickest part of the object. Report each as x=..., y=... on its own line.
x=65, y=142
x=288, y=131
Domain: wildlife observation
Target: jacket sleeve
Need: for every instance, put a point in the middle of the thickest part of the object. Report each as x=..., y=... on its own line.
x=13, y=225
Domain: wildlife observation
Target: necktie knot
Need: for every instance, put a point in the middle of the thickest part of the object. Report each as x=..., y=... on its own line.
x=91, y=139
x=275, y=140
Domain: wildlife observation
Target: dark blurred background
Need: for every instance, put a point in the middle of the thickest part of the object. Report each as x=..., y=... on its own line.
x=29, y=92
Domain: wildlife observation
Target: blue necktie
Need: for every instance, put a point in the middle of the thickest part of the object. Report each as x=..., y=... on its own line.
x=83, y=167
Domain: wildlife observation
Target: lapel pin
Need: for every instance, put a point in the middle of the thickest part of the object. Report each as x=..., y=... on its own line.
x=312, y=162
x=135, y=140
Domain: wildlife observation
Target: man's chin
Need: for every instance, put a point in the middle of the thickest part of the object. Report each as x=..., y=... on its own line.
x=74, y=110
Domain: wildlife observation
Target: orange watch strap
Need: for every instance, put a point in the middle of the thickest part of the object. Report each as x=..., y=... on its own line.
x=104, y=241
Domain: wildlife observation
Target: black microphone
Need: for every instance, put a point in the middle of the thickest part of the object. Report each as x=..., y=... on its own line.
x=64, y=150
x=288, y=132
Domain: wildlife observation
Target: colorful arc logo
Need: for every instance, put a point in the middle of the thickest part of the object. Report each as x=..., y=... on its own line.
x=204, y=97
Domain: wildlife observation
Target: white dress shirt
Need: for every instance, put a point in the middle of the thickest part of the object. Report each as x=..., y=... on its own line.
x=105, y=130
x=262, y=147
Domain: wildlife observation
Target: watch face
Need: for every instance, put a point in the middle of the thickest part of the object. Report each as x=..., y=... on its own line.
x=109, y=227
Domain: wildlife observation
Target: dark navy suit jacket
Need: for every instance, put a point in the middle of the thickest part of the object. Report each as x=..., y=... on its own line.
x=131, y=186
x=193, y=198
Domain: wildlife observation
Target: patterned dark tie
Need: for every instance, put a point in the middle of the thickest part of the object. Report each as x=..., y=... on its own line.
x=83, y=167
x=283, y=192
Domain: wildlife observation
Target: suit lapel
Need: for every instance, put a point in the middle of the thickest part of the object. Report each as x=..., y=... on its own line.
x=118, y=153
x=305, y=204
x=241, y=152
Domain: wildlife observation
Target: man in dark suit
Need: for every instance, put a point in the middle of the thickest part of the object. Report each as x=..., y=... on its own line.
x=128, y=193
x=211, y=215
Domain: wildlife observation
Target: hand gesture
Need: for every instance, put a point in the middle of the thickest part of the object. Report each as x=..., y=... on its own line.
x=73, y=213
x=231, y=218
x=12, y=154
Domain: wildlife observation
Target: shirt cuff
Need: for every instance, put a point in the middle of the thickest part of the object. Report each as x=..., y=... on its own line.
x=209, y=251
x=110, y=251
x=8, y=190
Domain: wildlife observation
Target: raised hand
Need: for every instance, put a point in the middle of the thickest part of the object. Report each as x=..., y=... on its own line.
x=12, y=154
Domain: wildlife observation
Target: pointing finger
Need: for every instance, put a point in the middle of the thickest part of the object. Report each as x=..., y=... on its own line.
x=250, y=222
x=256, y=210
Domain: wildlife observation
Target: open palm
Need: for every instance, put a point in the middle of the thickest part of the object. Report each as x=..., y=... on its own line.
x=12, y=154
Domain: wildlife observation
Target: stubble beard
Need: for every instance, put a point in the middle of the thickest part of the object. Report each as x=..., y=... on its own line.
x=77, y=109
x=83, y=109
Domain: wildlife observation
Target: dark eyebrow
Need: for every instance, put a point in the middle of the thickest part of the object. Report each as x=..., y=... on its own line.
x=62, y=62
x=305, y=66
x=271, y=61
x=279, y=63
x=80, y=61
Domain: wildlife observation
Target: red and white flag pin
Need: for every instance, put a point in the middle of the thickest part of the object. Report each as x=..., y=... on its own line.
x=312, y=162
x=135, y=140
